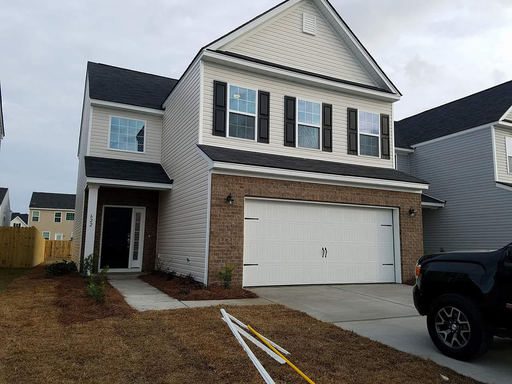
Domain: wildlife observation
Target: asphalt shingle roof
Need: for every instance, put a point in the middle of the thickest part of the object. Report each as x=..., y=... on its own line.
x=125, y=86
x=22, y=216
x=3, y=192
x=236, y=156
x=429, y=199
x=52, y=200
x=471, y=111
x=103, y=168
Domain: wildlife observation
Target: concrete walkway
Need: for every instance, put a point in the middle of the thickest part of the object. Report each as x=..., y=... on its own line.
x=385, y=313
x=144, y=297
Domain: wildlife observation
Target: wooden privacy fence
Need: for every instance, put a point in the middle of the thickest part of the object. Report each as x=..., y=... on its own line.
x=57, y=250
x=21, y=247
x=25, y=248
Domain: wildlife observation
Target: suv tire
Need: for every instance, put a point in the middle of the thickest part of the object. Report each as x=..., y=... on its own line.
x=457, y=328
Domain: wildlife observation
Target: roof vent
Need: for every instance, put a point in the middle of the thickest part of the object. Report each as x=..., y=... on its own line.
x=309, y=24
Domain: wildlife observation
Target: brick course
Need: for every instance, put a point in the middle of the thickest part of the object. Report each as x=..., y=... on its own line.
x=227, y=221
x=135, y=198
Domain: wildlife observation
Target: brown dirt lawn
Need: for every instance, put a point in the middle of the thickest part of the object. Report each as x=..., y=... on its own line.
x=47, y=337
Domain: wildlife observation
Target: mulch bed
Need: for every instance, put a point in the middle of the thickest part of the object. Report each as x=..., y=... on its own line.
x=183, y=288
x=77, y=306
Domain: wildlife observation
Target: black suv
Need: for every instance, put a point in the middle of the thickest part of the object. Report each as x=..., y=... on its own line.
x=467, y=298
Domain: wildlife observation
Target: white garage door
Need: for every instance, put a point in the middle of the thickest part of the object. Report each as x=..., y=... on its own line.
x=288, y=243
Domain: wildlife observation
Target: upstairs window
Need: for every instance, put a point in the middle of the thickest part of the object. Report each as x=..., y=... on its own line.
x=242, y=113
x=508, y=145
x=16, y=225
x=369, y=134
x=57, y=217
x=35, y=216
x=308, y=124
x=70, y=216
x=127, y=134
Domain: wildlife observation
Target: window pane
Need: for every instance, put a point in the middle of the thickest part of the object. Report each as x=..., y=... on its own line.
x=369, y=123
x=308, y=112
x=127, y=134
x=241, y=126
x=309, y=137
x=369, y=145
x=242, y=99
x=70, y=216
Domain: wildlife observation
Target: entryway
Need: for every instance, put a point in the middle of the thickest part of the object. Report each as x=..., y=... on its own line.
x=122, y=238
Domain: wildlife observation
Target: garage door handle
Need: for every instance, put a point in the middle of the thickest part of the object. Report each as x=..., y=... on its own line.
x=323, y=252
x=326, y=252
x=250, y=265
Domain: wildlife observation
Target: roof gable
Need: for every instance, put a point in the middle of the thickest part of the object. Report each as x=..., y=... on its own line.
x=125, y=86
x=277, y=36
x=3, y=193
x=485, y=107
x=22, y=216
x=52, y=200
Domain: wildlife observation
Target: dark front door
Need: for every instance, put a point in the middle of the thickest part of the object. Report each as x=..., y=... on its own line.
x=115, y=243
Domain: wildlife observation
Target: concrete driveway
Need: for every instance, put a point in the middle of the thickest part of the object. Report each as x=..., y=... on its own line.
x=385, y=313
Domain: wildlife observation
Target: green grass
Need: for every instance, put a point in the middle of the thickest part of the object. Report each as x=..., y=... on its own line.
x=9, y=274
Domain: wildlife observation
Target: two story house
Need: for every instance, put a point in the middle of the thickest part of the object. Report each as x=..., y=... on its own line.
x=271, y=153
x=53, y=214
x=464, y=149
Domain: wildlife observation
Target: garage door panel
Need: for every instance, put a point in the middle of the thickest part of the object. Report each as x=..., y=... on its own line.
x=309, y=243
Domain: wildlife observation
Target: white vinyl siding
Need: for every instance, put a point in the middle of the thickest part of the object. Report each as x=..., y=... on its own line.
x=100, y=128
x=182, y=222
x=502, y=161
x=282, y=41
x=279, y=88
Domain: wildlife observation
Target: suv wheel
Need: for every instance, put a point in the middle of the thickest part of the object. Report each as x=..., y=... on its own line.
x=457, y=328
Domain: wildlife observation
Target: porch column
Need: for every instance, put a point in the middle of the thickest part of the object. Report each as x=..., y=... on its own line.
x=90, y=216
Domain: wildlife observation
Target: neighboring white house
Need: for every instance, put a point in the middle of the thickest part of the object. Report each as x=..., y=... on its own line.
x=5, y=208
x=273, y=153
x=19, y=220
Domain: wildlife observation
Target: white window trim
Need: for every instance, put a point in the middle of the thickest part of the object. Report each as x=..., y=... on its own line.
x=55, y=217
x=508, y=153
x=38, y=216
x=49, y=234
x=320, y=143
x=59, y=234
x=255, y=115
x=359, y=133
x=126, y=150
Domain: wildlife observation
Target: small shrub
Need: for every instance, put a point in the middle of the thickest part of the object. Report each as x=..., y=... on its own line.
x=60, y=268
x=226, y=275
x=96, y=286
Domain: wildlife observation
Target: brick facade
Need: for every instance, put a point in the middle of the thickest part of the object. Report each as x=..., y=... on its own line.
x=135, y=198
x=227, y=221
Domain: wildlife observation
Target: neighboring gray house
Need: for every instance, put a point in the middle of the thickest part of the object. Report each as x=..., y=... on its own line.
x=2, y=127
x=464, y=150
x=5, y=208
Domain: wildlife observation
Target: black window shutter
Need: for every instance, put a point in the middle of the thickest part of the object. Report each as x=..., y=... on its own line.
x=220, y=93
x=263, y=116
x=384, y=136
x=289, y=121
x=327, y=127
x=352, y=131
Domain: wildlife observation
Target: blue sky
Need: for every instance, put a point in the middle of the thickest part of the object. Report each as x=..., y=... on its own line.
x=434, y=51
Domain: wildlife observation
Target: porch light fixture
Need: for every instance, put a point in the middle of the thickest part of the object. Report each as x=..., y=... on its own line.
x=412, y=212
x=230, y=199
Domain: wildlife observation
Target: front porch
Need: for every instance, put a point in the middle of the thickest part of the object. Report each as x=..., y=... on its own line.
x=121, y=213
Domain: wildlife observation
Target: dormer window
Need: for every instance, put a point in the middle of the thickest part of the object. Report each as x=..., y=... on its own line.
x=127, y=134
